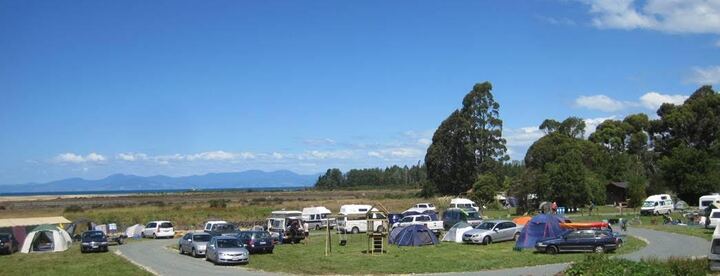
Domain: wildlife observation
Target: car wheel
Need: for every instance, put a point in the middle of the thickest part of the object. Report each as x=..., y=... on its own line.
x=142, y=235
x=317, y=227
x=619, y=243
x=487, y=240
x=355, y=230
x=656, y=213
x=120, y=241
x=154, y=236
x=516, y=236
x=552, y=250
x=180, y=249
x=193, y=253
x=599, y=249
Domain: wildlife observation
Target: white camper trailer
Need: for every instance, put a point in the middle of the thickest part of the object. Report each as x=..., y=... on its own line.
x=318, y=217
x=657, y=204
x=353, y=219
x=706, y=200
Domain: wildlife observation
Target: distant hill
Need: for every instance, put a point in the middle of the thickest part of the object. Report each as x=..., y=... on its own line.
x=125, y=182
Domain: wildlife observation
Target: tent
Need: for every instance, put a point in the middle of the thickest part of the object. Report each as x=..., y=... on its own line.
x=134, y=231
x=540, y=227
x=681, y=205
x=77, y=227
x=46, y=238
x=522, y=220
x=412, y=235
x=456, y=232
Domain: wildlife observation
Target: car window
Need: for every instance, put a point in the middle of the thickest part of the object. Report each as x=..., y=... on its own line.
x=422, y=206
x=151, y=225
x=431, y=205
x=587, y=234
x=407, y=219
x=228, y=243
x=208, y=226
x=166, y=225
x=716, y=215
x=93, y=234
x=485, y=226
x=423, y=218
x=261, y=235
x=473, y=215
x=201, y=238
x=715, y=249
x=573, y=235
x=187, y=236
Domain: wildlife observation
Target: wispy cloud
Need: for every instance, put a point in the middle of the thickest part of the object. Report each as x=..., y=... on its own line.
x=650, y=100
x=670, y=16
x=70, y=157
x=600, y=102
x=705, y=75
x=654, y=100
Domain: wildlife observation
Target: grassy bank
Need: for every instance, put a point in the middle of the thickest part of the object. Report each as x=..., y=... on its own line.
x=70, y=262
x=445, y=257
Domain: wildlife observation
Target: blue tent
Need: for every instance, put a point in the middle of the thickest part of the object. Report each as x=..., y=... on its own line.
x=539, y=227
x=413, y=235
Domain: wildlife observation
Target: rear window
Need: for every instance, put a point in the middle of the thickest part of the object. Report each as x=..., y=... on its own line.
x=473, y=215
x=93, y=235
x=716, y=215
x=201, y=238
x=261, y=235
x=166, y=225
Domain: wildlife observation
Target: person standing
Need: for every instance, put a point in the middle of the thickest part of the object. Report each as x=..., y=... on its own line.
x=554, y=208
x=592, y=206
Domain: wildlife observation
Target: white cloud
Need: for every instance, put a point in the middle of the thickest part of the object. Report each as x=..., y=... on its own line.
x=131, y=156
x=522, y=136
x=424, y=141
x=600, y=102
x=706, y=75
x=717, y=43
x=76, y=158
x=654, y=100
x=592, y=123
x=671, y=16
x=397, y=153
x=336, y=154
x=319, y=142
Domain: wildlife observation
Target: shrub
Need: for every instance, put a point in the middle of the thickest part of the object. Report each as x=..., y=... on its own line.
x=218, y=203
x=2, y=207
x=602, y=265
x=73, y=209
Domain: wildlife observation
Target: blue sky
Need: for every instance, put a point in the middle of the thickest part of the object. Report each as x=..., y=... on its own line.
x=92, y=88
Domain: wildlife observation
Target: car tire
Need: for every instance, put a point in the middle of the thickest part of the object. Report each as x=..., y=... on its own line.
x=317, y=227
x=180, y=249
x=552, y=250
x=154, y=236
x=355, y=230
x=620, y=243
x=656, y=213
x=142, y=235
x=516, y=236
x=599, y=249
x=193, y=253
x=487, y=240
x=120, y=241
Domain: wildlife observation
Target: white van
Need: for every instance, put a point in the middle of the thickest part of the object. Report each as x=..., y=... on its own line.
x=318, y=217
x=714, y=256
x=714, y=218
x=706, y=200
x=286, y=226
x=158, y=229
x=209, y=225
x=463, y=203
x=657, y=204
x=353, y=219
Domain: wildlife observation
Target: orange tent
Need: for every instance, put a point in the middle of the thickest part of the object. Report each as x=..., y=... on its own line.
x=522, y=220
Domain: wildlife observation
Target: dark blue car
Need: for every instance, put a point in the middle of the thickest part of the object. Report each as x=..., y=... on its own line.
x=257, y=241
x=598, y=241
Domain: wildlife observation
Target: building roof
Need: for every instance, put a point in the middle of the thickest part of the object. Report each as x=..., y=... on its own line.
x=12, y=222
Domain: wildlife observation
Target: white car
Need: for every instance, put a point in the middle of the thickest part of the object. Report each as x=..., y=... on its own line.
x=158, y=229
x=714, y=218
x=421, y=208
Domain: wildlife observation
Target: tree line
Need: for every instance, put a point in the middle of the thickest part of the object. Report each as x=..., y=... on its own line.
x=394, y=176
x=676, y=152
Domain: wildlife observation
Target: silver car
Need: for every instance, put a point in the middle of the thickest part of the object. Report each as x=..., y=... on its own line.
x=226, y=250
x=492, y=231
x=194, y=244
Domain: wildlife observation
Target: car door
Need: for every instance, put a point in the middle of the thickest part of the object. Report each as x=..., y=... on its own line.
x=588, y=241
x=210, y=249
x=508, y=230
x=149, y=229
x=184, y=242
x=571, y=242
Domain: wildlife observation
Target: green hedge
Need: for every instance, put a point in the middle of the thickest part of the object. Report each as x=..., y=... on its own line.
x=601, y=265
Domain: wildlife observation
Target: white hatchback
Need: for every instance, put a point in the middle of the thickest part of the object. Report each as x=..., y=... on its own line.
x=158, y=229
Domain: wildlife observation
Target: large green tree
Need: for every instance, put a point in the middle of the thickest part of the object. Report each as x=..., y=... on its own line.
x=468, y=143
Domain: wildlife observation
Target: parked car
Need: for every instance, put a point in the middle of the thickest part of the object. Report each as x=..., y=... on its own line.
x=492, y=231
x=257, y=241
x=434, y=226
x=226, y=250
x=657, y=205
x=223, y=229
x=422, y=207
x=8, y=243
x=286, y=226
x=714, y=256
x=209, y=224
x=714, y=218
x=454, y=215
x=194, y=243
x=318, y=217
x=158, y=229
x=598, y=241
x=93, y=241
x=394, y=217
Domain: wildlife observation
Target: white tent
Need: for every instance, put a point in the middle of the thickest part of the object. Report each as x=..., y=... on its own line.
x=46, y=238
x=456, y=232
x=134, y=231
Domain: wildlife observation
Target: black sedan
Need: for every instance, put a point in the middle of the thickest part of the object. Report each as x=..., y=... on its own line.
x=8, y=243
x=598, y=241
x=257, y=241
x=93, y=241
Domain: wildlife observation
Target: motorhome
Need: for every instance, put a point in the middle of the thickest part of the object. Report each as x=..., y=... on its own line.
x=353, y=219
x=318, y=217
x=706, y=200
x=714, y=256
x=286, y=226
x=463, y=203
x=657, y=204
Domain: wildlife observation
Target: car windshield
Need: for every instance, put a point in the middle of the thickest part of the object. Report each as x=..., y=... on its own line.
x=224, y=227
x=4, y=238
x=228, y=243
x=201, y=238
x=473, y=215
x=93, y=235
x=407, y=219
x=261, y=235
x=166, y=225
x=485, y=225
x=649, y=204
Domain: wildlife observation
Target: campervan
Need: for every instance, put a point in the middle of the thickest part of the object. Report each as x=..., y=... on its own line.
x=318, y=217
x=714, y=256
x=286, y=226
x=463, y=203
x=707, y=200
x=657, y=204
x=353, y=218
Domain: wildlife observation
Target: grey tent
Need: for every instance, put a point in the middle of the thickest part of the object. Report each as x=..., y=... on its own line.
x=456, y=232
x=681, y=205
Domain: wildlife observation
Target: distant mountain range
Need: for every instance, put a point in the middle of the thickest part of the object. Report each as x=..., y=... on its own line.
x=125, y=182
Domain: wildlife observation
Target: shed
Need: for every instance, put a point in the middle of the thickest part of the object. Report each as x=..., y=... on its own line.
x=616, y=192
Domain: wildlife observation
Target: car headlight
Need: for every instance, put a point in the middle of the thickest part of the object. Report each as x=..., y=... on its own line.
x=86, y=243
x=104, y=243
x=476, y=235
x=541, y=244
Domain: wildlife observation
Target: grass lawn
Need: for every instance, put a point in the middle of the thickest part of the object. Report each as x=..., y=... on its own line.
x=446, y=257
x=70, y=262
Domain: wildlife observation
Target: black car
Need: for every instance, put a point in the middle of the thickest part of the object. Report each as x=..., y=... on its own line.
x=93, y=241
x=8, y=243
x=257, y=241
x=598, y=241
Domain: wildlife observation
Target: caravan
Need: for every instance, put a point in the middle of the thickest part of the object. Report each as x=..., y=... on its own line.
x=318, y=217
x=353, y=219
x=464, y=203
x=286, y=226
x=707, y=200
x=657, y=204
